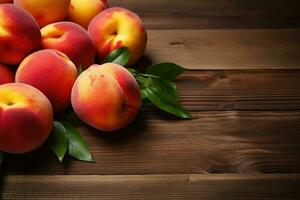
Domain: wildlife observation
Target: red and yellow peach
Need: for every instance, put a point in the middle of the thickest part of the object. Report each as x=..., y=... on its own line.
x=83, y=11
x=6, y=1
x=45, y=11
x=116, y=27
x=25, y=118
x=19, y=34
x=106, y=97
x=52, y=72
x=6, y=75
x=70, y=39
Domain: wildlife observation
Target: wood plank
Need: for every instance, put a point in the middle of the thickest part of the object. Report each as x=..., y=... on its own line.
x=160, y=14
x=187, y=186
x=214, y=7
x=226, y=49
x=172, y=21
x=240, y=90
x=213, y=142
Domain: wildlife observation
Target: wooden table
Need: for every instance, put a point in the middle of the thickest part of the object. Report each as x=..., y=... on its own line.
x=243, y=89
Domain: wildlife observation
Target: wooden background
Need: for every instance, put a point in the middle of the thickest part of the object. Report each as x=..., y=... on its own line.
x=243, y=89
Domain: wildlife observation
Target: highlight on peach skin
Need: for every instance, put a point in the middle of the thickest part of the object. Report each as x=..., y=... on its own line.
x=19, y=34
x=25, y=118
x=6, y=75
x=117, y=27
x=83, y=11
x=71, y=39
x=45, y=11
x=106, y=97
x=52, y=72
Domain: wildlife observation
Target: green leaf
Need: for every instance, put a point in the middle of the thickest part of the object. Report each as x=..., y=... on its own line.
x=162, y=93
x=166, y=71
x=168, y=106
x=132, y=71
x=141, y=78
x=78, y=148
x=119, y=56
x=164, y=89
x=58, y=140
x=143, y=82
x=144, y=94
x=1, y=158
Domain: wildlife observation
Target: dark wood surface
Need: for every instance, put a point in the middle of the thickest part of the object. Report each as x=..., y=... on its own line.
x=243, y=89
x=154, y=187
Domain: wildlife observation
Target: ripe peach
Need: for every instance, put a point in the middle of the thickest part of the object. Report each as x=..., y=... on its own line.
x=6, y=75
x=19, y=34
x=6, y=1
x=52, y=72
x=45, y=11
x=83, y=11
x=116, y=27
x=106, y=97
x=25, y=118
x=70, y=39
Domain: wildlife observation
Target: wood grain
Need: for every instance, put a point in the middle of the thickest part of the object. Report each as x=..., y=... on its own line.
x=240, y=90
x=188, y=186
x=244, y=94
x=213, y=142
x=189, y=14
x=226, y=49
x=186, y=22
x=214, y=7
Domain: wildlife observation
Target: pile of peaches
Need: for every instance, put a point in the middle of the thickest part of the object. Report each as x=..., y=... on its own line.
x=48, y=51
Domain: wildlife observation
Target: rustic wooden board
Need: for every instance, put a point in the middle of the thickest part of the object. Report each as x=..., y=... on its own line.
x=228, y=90
x=213, y=142
x=226, y=49
x=215, y=13
x=172, y=21
x=189, y=186
x=214, y=7
x=240, y=90
x=244, y=94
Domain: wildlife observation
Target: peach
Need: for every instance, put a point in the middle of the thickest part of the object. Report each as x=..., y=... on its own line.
x=6, y=1
x=6, y=75
x=45, y=11
x=19, y=34
x=116, y=27
x=25, y=118
x=107, y=97
x=83, y=11
x=52, y=72
x=70, y=39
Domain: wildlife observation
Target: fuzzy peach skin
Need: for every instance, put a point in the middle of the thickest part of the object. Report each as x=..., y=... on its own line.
x=45, y=11
x=25, y=118
x=71, y=39
x=83, y=11
x=6, y=75
x=107, y=97
x=6, y=1
x=19, y=34
x=52, y=72
x=116, y=27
